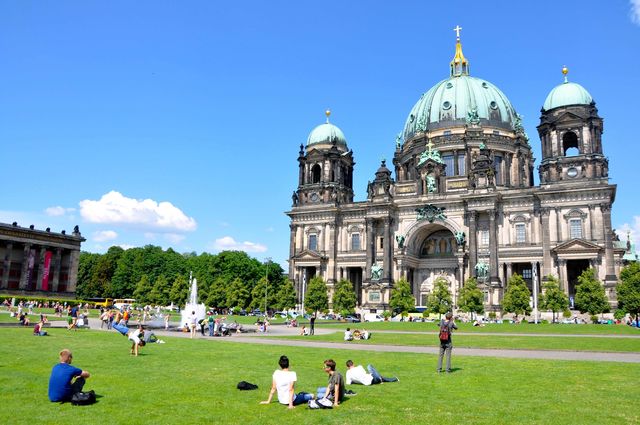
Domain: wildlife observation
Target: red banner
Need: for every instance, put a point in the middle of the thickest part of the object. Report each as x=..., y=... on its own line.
x=45, y=272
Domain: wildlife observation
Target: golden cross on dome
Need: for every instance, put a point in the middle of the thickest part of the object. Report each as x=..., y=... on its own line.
x=457, y=30
x=430, y=145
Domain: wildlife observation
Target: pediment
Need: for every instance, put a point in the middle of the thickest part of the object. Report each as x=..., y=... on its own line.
x=307, y=255
x=577, y=246
x=566, y=116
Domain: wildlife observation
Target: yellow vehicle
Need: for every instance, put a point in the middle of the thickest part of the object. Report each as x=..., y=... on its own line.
x=101, y=302
x=121, y=303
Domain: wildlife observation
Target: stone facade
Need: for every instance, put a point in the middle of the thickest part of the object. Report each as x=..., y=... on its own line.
x=37, y=262
x=463, y=203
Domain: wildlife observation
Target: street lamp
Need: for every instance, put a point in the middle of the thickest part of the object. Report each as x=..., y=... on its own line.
x=266, y=284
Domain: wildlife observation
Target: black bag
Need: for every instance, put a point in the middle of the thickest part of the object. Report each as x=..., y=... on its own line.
x=244, y=385
x=83, y=398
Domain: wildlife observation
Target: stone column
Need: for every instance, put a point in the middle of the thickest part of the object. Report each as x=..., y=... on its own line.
x=386, y=262
x=6, y=266
x=292, y=241
x=507, y=175
x=493, y=247
x=610, y=278
x=74, y=258
x=592, y=227
x=331, y=263
x=57, y=265
x=40, y=260
x=25, y=266
x=509, y=271
x=558, y=225
x=546, y=242
x=370, y=249
x=473, y=243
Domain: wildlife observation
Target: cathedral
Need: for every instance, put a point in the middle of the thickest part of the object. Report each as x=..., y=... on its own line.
x=461, y=200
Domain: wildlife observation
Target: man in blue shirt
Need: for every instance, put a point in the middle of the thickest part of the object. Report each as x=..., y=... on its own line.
x=61, y=387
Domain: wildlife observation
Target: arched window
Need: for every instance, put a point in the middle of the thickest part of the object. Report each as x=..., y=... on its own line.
x=438, y=244
x=570, y=144
x=316, y=172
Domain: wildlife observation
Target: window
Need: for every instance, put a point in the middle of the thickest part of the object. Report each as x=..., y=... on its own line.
x=355, y=241
x=448, y=161
x=381, y=243
x=462, y=169
x=484, y=238
x=575, y=228
x=497, y=163
x=313, y=242
x=526, y=273
x=316, y=172
x=521, y=235
x=447, y=132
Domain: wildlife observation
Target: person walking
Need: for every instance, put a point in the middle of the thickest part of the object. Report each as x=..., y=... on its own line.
x=312, y=324
x=447, y=325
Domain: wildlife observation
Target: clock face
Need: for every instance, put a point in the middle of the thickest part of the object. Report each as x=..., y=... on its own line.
x=572, y=172
x=315, y=197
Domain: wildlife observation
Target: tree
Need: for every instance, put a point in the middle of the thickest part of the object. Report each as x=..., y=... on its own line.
x=344, y=297
x=143, y=288
x=439, y=301
x=316, y=298
x=590, y=296
x=629, y=290
x=286, y=297
x=159, y=294
x=402, y=299
x=553, y=298
x=217, y=295
x=471, y=299
x=517, y=296
x=237, y=294
x=179, y=291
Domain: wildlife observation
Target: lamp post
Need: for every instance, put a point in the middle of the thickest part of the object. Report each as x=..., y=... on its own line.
x=266, y=284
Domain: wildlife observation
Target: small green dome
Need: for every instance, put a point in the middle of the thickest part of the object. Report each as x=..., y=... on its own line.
x=449, y=103
x=567, y=94
x=327, y=134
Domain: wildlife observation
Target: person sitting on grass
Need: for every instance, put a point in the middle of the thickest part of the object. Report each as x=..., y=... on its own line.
x=357, y=375
x=61, y=387
x=37, y=329
x=284, y=381
x=335, y=389
x=348, y=335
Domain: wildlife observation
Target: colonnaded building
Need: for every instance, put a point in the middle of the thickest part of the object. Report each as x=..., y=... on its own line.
x=38, y=262
x=462, y=201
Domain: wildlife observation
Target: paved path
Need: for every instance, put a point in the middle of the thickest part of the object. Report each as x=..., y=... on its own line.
x=274, y=331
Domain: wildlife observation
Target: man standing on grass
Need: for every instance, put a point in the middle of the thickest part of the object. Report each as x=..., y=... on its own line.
x=61, y=387
x=447, y=326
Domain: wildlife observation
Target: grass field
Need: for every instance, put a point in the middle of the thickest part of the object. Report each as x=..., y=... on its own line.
x=529, y=342
x=193, y=381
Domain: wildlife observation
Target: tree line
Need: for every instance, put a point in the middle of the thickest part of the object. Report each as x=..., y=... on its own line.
x=152, y=275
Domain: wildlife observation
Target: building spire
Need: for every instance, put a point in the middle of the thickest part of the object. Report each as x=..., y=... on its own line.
x=565, y=71
x=327, y=113
x=459, y=65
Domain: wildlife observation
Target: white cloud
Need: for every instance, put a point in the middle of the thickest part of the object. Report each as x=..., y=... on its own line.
x=635, y=11
x=104, y=235
x=114, y=208
x=227, y=243
x=58, y=211
x=634, y=230
x=269, y=229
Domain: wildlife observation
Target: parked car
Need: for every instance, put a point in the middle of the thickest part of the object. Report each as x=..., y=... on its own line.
x=373, y=317
x=352, y=319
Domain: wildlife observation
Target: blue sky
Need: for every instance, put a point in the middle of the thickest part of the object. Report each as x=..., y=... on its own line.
x=178, y=123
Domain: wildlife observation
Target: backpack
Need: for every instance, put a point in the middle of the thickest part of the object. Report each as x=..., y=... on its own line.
x=444, y=332
x=83, y=399
x=246, y=386
x=322, y=403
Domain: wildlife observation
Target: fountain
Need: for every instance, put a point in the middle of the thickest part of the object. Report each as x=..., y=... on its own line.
x=192, y=303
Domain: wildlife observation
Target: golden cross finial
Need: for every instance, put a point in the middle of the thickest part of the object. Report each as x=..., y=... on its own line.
x=565, y=71
x=457, y=30
x=327, y=113
x=430, y=145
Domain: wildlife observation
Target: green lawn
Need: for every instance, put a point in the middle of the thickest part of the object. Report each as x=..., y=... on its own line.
x=525, y=328
x=529, y=342
x=193, y=381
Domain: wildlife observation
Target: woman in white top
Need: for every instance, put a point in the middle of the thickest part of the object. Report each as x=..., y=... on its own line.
x=284, y=381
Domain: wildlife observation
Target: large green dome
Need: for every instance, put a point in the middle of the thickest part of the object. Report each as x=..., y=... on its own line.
x=566, y=94
x=449, y=103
